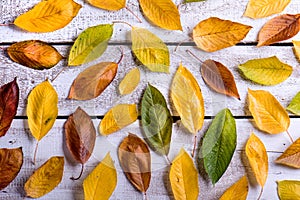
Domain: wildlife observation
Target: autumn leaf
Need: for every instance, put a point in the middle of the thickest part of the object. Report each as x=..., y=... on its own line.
x=45, y=178
x=135, y=160
x=267, y=112
x=102, y=181
x=91, y=82
x=9, y=100
x=184, y=177
x=218, y=146
x=294, y=106
x=11, y=161
x=219, y=78
x=297, y=48
x=150, y=50
x=279, y=28
x=191, y=1
x=112, y=5
x=90, y=44
x=291, y=156
x=214, y=34
x=162, y=13
x=264, y=8
x=34, y=54
x=237, y=191
x=130, y=81
x=288, y=189
x=48, y=16
x=80, y=137
x=266, y=71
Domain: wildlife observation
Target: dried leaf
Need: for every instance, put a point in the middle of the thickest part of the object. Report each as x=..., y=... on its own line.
x=278, y=29
x=264, y=8
x=48, y=16
x=289, y=190
x=267, y=112
x=156, y=120
x=102, y=181
x=45, y=178
x=117, y=118
x=294, y=106
x=112, y=5
x=291, y=156
x=184, y=177
x=297, y=48
x=150, y=50
x=90, y=44
x=34, y=54
x=266, y=71
x=90, y=83
x=214, y=34
x=135, y=160
x=187, y=98
x=162, y=13
x=237, y=191
x=258, y=158
x=219, y=78
x=130, y=81
x=11, y=161
x=9, y=99
x=219, y=144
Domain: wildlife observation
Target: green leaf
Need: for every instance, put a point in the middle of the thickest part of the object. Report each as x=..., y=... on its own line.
x=190, y=1
x=294, y=106
x=156, y=120
x=219, y=144
x=266, y=71
x=90, y=44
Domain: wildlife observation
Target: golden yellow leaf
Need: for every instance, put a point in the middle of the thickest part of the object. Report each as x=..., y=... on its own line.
x=102, y=181
x=214, y=34
x=112, y=5
x=48, y=16
x=184, y=177
x=130, y=82
x=291, y=156
x=45, y=178
x=267, y=112
x=237, y=191
x=187, y=98
x=264, y=8
x=289, y=189
x=297, y=48
x=117, y=118
x=258, y=159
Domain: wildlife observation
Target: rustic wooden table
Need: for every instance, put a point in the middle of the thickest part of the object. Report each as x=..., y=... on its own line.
x=191, y=14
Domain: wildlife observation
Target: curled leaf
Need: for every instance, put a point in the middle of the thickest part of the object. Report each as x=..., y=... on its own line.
x=237, y=191
x=130, y=82
x=112, y=5
x=294, y=106
x=288, y=189
x=291, y=156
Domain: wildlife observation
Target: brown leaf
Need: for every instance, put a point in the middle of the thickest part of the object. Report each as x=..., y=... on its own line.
x=135, y=161
x=278, y=29
x=93, y=81
x=9, y=99
x=11, y=161
x=219, y=78
x=291, y=156
x=80, y=136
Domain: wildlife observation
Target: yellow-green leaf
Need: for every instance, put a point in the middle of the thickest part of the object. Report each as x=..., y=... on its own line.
x=48, y=16
x=117, y=118
x=184, y=177
x=289, y=189
x=237, y=191
x=294, y=106
x=291, y=156
x=150, y=50
x=112, y=5
x=102, y=181
x=266, y=71
x=130, y=82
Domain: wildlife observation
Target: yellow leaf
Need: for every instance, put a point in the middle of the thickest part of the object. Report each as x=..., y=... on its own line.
x=264, y=8
x=258, y=159
x=130, y=82
x=267, y=112
x=289, y=189
x=117, y=118
x=297, y=48
x=187, y=98
x=237, y=191
x=291, y=156
x=112, y=5
x=48, y=16
x=45, y=178
x=162, y=13
x=184, y=177
x=42, y=109
x=102, y=181
x=214, y=34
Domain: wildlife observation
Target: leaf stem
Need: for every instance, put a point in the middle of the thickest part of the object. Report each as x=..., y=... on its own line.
x=168, y=160
x=9, y=24
x=122, y=55
x=292, y=140
x=74, y=179
x=192, y=54
x=180, y=43
x=129, y=10
x=122, y=22
x=145, y=196
x=194, y=148
x=63, y=69
x=260, y=194
x=35, y=152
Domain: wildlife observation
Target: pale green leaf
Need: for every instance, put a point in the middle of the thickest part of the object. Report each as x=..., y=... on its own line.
x=289, y=189
x=294, y=106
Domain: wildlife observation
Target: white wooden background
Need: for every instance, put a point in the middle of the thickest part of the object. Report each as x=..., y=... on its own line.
x=191, y=14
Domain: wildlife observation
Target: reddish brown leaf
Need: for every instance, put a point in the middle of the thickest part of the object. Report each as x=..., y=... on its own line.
x=219, y=78
x=135, y=161
x=9, y=99
x=278, y=29
x=92, y=82
x=11, y=161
